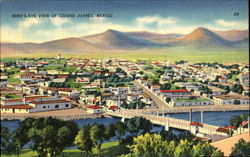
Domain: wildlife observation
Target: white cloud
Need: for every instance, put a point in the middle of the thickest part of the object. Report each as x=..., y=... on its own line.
x=58, y=21
x=29, y=22
x=155, y=19
x=232, y=24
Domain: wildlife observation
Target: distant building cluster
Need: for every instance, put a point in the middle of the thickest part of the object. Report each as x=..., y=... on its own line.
x=44, y=84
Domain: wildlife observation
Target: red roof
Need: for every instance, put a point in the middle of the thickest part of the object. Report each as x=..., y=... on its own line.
x=94, y=107
x=196, y=124
x=62, y=76
x=225, y=130
x=112, y=108
x=17, y=106
x=222, y=78
x=244, y=123
x=50, y=102
x=230, y=127
x=12, y=100
x=174, y=91
x=34, y=97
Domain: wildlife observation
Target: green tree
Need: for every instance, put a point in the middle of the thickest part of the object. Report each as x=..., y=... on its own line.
x=136, y=124
x=168, y=135
x=109, y=132
x=149, y=145
x=238, y=119
x=183, y=149
x=205, y=149
x=166, y=86
x=48, y=136
x=83, y=140
x=242, y=148
x=120, y=129
x=97, y=136
x=6, y=140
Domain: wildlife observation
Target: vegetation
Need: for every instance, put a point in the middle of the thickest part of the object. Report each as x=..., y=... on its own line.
x=242, y=148
x=149, y=145
x=48, y=136
x=237, y=88
x=238, y=119
x=133, y=105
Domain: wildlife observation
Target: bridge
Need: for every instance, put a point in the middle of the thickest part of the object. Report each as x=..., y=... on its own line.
x=167, y=122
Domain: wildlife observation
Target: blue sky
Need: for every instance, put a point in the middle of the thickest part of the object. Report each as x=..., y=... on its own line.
x=169, y=16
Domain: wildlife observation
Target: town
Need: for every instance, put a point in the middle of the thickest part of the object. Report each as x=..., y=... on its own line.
x=98, y=85
x=74, y=88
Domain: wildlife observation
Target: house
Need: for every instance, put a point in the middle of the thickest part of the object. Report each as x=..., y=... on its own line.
x=244, y=78
x=155, y=87
x=94, y=109
x=48, y=105
x=190, y=102
x=112, y=108
x=114, y=102
x=133, y=97
x=82, y=80
x=170, y=93
x=6, y=102
x=231, y=99
x=222, y=79
x=15, y=108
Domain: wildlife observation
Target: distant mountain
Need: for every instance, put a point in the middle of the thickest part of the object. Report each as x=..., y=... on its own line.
x=156, y=37
x=234, y=35
x=202, y=37
x=128, y=41
x=72, y=45
x=119, y=40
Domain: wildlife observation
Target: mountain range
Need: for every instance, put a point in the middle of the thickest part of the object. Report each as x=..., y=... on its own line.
x=129, y=41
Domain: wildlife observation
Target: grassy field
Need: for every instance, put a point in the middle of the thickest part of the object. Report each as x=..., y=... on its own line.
x=108, y=150
x=169, y=54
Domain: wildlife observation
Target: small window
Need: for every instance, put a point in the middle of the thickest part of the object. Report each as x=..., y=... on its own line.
x=56, y=106
x=67, y=105
x=44, y=106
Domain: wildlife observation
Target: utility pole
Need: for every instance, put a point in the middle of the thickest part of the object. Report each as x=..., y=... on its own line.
x=190, y=115
x=202, y=118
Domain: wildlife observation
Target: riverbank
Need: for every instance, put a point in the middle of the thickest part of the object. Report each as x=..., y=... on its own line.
x=68, y=114
x=212, y=108
x=108, y=149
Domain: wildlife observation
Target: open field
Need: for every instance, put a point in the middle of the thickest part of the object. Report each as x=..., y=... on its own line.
x=108, y=150
x=171, y=54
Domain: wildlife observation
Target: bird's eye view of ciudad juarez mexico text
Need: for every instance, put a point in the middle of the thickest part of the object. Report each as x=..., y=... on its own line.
x=124, y=78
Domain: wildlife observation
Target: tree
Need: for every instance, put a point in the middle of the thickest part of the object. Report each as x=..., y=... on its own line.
x=97, y=136
x=166, y=86
x=242, y=148
x=109, y=132
x=6, y=141
x=183, y=149
x=205, y=149
x=120, y=129
x=149, y=145
x=48, y=136
x=83, y=140
x=238, y=119
x=20, y=138
x=136, y=124
x=167, y=135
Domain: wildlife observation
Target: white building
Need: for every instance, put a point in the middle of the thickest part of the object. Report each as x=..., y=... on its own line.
x=188, y=102
x=231, y=99
x=48, y=105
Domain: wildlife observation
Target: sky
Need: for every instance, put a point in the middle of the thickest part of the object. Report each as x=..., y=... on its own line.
x=168, y=16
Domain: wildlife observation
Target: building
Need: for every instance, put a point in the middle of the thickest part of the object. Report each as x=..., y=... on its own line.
x=231, y=99
x=94, y=109
x=16, y=108
x=189, y=102
x=48, y=105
